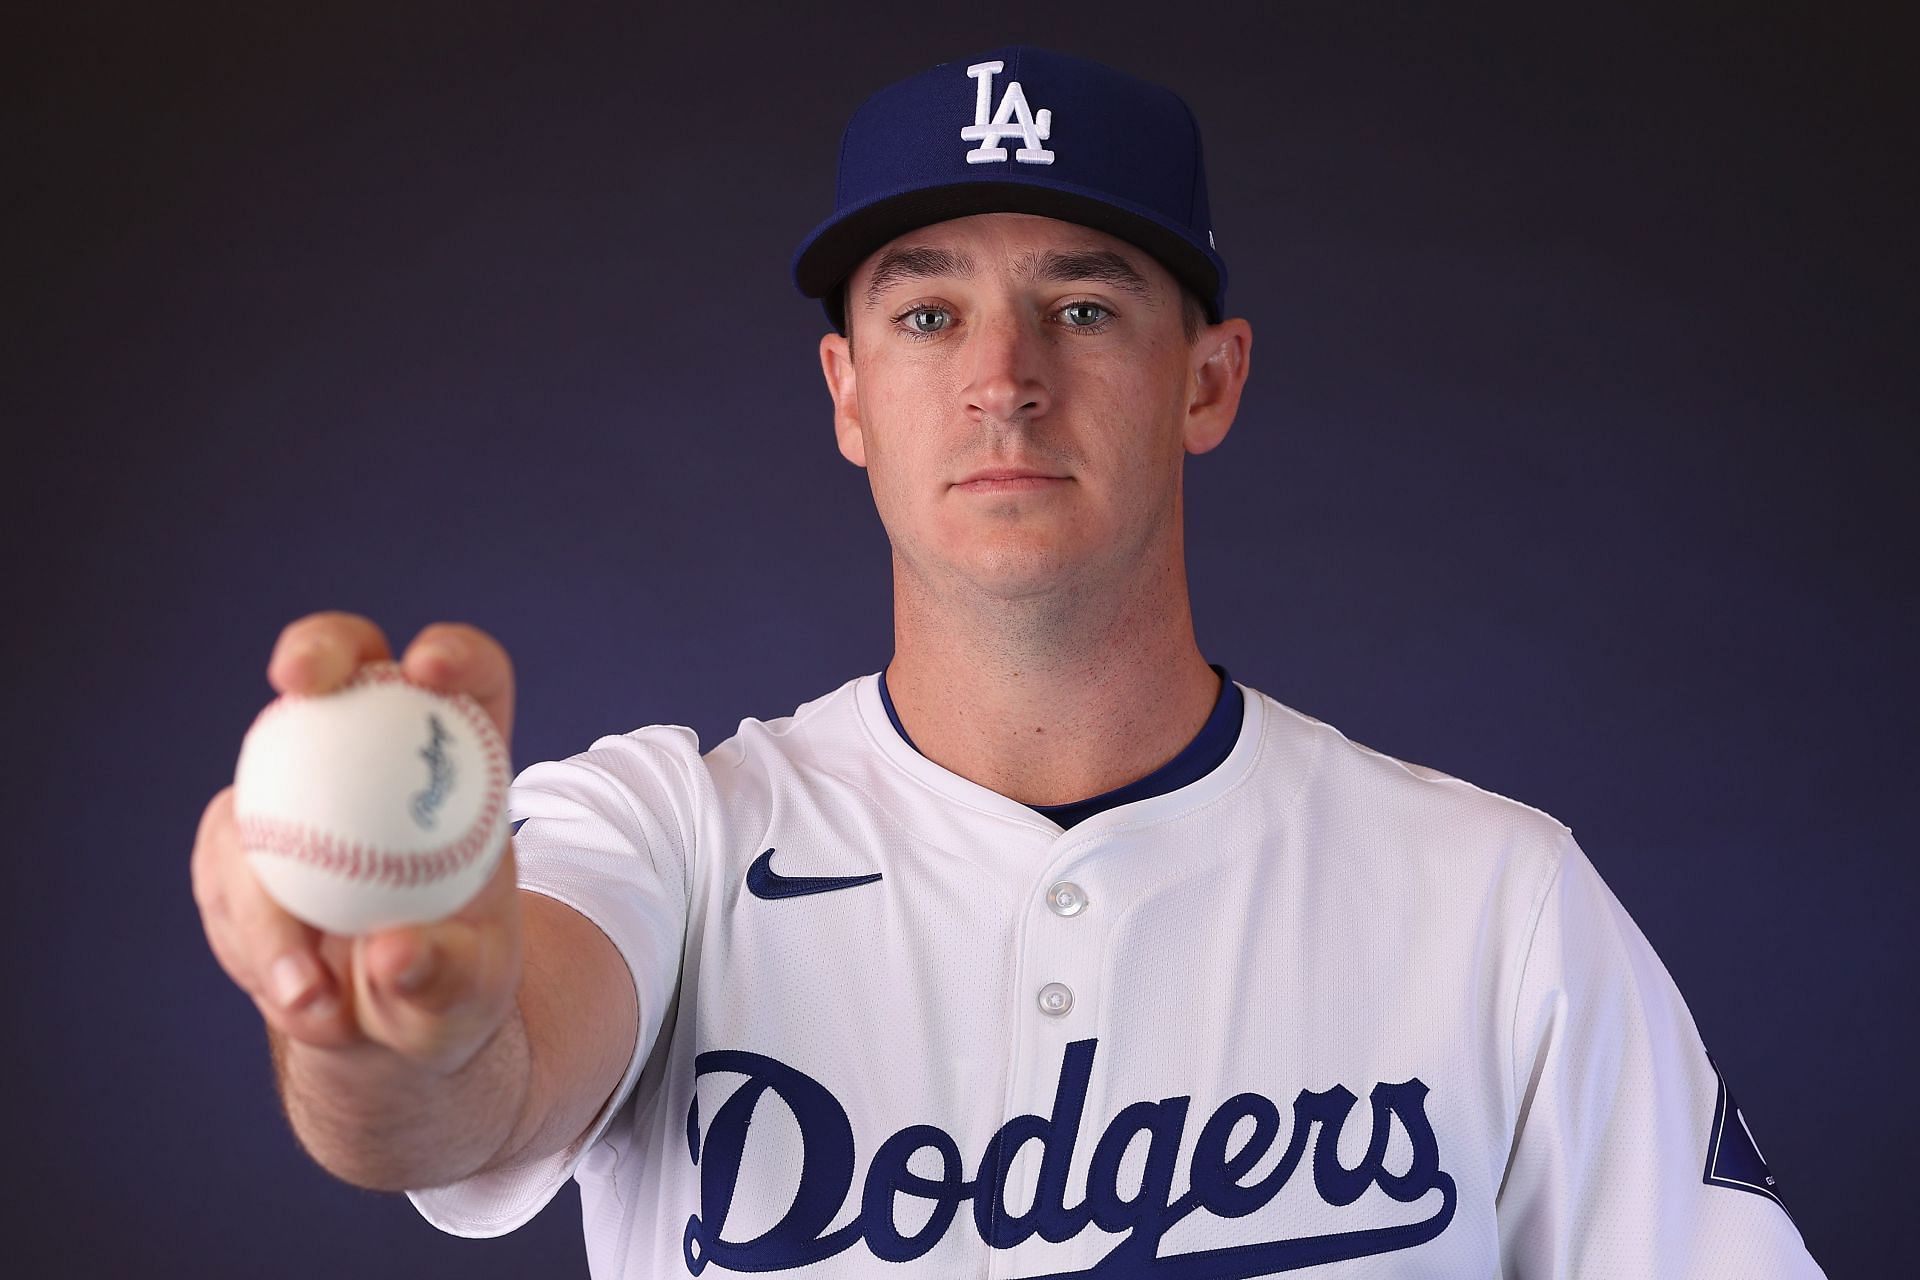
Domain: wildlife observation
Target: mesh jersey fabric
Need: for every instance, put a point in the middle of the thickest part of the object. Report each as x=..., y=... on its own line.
x=1324, y=1009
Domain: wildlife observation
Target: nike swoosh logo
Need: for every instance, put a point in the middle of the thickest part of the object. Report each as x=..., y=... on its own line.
x=764, y=882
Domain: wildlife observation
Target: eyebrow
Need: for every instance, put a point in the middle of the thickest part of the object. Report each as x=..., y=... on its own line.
x=1101, y=265
x=920, y=262
x=915, y=262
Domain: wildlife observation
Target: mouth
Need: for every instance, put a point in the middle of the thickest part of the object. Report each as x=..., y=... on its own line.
x=1008, y=480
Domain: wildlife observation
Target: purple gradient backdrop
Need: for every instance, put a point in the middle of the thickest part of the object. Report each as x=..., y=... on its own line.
x=1571, y=465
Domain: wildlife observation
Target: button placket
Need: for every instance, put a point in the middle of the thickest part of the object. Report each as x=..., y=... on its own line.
x=1060, y=973
x=1066, y=900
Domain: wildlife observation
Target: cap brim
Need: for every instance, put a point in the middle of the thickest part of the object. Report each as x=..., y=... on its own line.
x=842, y=243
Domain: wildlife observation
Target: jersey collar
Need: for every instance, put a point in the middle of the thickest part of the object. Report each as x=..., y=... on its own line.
x=1220, y=752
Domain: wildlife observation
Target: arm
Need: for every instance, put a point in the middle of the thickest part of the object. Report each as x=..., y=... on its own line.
x=415, y=1056
x=1617, y=1104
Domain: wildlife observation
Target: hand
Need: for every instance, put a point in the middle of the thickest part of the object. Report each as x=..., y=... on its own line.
x=432, y=994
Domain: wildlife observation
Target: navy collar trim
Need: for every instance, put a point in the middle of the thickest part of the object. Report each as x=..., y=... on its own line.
x=1212, y=745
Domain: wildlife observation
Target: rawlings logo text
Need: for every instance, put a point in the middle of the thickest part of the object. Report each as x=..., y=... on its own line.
x=439, y=775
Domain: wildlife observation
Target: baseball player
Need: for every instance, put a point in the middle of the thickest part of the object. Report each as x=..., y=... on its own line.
x=1049, y=950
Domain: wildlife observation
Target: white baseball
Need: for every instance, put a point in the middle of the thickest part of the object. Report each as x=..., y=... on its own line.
x=381, y=804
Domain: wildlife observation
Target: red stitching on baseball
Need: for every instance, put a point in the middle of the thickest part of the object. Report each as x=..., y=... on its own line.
x=324, y=850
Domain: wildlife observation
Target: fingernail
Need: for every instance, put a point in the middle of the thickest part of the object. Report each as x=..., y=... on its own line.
x=415, y=975
x=443, y=649
x=315, y=659
x=290, y=978
x=293, y=658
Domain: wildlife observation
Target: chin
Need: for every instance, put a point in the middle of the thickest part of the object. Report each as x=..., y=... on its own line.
x=1021, y=572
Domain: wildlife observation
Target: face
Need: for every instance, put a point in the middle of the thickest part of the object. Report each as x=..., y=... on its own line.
x=1022, y=394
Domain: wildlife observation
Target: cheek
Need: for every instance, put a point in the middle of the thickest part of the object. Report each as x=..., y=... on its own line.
x=900, y=461
x=1143, y=405
x=906, y=416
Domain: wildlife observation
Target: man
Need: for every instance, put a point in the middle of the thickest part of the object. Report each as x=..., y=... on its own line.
x=1049, y=950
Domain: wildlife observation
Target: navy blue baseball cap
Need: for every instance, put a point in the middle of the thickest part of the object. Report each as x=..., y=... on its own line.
x=1020, y=130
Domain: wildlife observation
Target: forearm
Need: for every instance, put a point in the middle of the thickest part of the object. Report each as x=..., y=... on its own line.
x=377, y=1120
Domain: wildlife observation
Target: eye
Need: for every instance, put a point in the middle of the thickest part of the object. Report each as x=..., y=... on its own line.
x=922, y=321
x=1084, y=315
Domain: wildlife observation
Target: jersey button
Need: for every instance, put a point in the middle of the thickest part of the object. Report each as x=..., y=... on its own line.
x=1055, y=999
x=1067, y=899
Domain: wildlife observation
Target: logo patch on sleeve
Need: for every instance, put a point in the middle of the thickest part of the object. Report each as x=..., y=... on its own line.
x=1733, y=1157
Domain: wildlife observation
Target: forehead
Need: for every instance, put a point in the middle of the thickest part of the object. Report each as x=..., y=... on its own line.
x=1008, y=244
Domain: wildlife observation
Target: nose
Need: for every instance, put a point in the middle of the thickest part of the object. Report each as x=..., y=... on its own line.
x=1008, y=382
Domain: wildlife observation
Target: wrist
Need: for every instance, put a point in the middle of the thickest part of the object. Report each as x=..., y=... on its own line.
x=382, y=1120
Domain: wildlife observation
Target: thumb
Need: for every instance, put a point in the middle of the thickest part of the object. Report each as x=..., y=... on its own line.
x=434, y=992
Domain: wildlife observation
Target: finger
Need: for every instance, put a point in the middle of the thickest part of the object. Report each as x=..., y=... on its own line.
x=429, y=967
x=301, y=993
x=319, y=652
x=215, y=852
x=210, y=844
x=459, y=658
x=268, y=953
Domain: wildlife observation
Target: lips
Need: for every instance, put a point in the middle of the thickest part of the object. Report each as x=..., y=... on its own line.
x=1008, y=480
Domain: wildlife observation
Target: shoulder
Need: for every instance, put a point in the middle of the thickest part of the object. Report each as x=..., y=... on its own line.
x=674, y=751
x=660, y=769
x=1368, y=800
x=653, y=789
x=816, y=731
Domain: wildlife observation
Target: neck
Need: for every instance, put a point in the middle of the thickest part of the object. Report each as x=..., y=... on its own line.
x=1048, y=700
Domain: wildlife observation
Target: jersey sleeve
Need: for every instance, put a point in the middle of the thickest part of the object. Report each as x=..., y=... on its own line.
x=1629, y=1157
x=611, y=833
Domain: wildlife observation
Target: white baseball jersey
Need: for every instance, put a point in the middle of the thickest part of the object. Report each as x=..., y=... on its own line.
x=1319, y=1010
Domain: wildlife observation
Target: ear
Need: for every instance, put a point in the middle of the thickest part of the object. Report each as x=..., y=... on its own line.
x=1217, y=374
x=836, y=363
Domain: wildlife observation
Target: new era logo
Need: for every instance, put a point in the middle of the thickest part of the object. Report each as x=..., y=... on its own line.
x=1012, y=117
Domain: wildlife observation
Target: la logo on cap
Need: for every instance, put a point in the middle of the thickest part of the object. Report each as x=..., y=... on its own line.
x=1013, y=116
